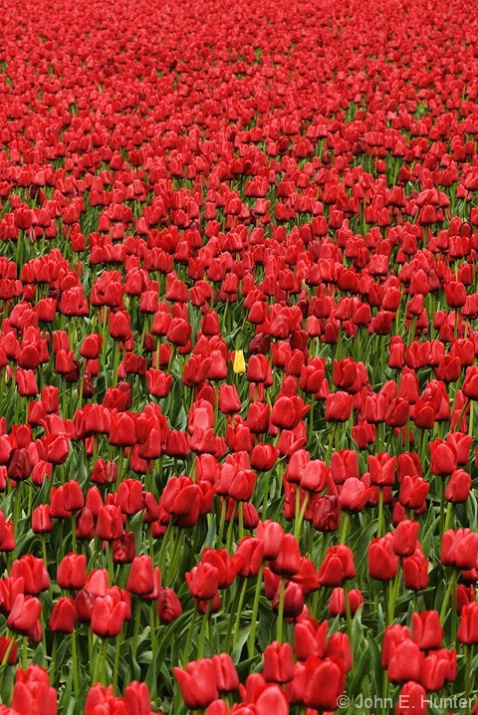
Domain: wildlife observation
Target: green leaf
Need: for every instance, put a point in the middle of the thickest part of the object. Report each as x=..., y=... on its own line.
x=237, y=650
x=210, y=542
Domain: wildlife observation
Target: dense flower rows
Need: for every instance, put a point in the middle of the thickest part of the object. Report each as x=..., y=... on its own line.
x=238, y=357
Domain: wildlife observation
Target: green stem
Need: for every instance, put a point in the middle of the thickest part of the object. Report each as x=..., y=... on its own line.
x=265, y=497
x=74, y=664
x=255, y=609
x=241, y=520
x=389, y=601
x=384, y=692
x=202, y=633
x=137, y=623
x=111, y=568
x=222, y=523
x=25, y=652
x=17, y=497
x=4, y=668
x=119, y=639
x=175, y=558
x=344, y=527
x=451, y=585
x=230, y=529
x=348, y=615
x=280, y=616
x=187, y=649
x=74, y=545
x=381, y=524
x=468, y=673
x=450, y=511
x=233, y=610
x=460, y=417
x=164, y=544
x=152, y=625
x=239, y=611
x=441, y=488
x=311, y=422
x=104, y=661
x=96, y=661
x=53, y=657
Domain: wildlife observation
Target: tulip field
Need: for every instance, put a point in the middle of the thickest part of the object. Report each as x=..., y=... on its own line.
x=238, y=357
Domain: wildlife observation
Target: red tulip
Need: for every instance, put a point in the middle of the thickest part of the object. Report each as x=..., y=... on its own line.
x=405, y=537
x=63, y=616
x=443, y=458
x=382, y=560
x=278, y=663
x=141, y=578
x=169, y=605
x=197, y=682
x=32, y=692
x=337, y=566
x=108, y=616
x=72, y=571
x=458, y=487
x=426, y=630
x=468, y=628
x=337, y=601
x=413, y=699
x=405, y=662
x=338, y=407
x=459, y=548
x=325, y=681
x=24, y=614
x=415, y=571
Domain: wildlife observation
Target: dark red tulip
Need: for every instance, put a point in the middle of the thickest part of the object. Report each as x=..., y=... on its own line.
x=169, y=605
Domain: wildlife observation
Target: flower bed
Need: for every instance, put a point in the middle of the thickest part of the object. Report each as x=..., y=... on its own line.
x=238, y=357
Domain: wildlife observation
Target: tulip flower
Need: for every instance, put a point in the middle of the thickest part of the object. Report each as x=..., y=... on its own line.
x=108, y=616
x=325, y=681
x=63, y=616
x=197, y=682
x=24, y=614
x=468, y=628
x=32, y=692
x=382, y=560
x=413, y=698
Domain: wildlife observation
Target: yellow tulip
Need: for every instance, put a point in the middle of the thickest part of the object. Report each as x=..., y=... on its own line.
x=239, y=365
